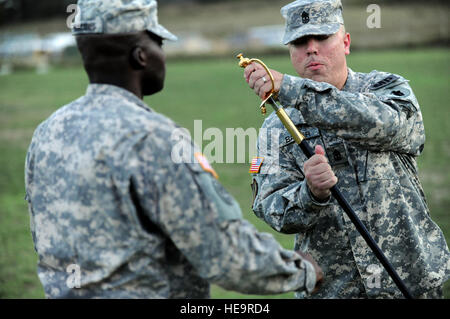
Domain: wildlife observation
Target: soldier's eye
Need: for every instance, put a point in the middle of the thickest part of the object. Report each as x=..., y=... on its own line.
x=322, y=37
x=158, y=40
x=299, y=41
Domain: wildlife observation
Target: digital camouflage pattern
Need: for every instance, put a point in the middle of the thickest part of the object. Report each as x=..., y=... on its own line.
x=372, y=132
x=311, y=17
x=118, y=16
x=106, y=195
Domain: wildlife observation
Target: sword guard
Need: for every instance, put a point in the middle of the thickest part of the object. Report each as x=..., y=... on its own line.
x=263, y=104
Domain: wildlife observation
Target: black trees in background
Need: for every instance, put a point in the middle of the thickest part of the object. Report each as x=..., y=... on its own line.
x=17, y=11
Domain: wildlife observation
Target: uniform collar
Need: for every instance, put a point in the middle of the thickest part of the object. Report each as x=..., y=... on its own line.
x=352, y=81
x=116, y=92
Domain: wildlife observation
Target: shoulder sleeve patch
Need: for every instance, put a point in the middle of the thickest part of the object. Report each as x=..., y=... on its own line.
x=386, y=81
x=401, y=92
x=255, y=165
x=226, y=206
x=205, y=164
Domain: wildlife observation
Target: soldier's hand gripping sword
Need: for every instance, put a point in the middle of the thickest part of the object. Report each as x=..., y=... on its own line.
x=309, y=152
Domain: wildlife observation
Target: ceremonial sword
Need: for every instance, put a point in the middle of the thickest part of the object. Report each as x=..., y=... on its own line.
x=299, y=138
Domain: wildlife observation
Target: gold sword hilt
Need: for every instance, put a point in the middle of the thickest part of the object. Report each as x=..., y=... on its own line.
x=281, y=113
x=243, y=62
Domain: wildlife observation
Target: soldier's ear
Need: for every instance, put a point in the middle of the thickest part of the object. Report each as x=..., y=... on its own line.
x=347, y=42
x=138, y=58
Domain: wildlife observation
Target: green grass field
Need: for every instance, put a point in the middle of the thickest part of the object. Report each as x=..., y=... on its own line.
x=215, y=92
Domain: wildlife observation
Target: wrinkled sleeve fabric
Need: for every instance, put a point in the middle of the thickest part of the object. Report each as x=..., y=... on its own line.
x=205, y=223
x=383, y=119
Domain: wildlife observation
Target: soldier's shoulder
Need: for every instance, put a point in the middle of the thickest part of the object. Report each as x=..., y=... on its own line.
x=159, y=121
x=391, y=86
x=54, y=117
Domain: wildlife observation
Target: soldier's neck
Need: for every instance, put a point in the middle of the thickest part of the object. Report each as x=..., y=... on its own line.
x=342, y=79
x=132, y=84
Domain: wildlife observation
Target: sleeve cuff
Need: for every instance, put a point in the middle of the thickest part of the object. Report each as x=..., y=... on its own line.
x=317, y=201
x=308, y=201
x=301, y=212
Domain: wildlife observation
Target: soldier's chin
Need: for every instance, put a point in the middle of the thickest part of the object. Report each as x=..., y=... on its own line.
x=316, y=76
x=152, y=88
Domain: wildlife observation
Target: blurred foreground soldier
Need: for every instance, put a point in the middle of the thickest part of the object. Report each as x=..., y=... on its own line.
x=112, y=214
x=367, y=129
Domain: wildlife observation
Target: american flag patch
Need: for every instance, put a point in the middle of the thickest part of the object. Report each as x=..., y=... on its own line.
x=205, y=164
x=256, y=165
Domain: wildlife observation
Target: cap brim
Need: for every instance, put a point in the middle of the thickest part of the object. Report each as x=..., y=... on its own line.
x=159, y=30
x=310, y=29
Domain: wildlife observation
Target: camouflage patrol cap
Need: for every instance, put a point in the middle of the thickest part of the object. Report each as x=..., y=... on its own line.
x=118, y=16
x=311, y=17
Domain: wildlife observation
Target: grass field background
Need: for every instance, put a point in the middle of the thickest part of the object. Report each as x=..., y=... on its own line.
x=215, y=92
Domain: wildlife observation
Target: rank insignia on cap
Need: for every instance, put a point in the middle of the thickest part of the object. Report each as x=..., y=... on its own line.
x=205, y=164
x=255, y=165
x=305, y=17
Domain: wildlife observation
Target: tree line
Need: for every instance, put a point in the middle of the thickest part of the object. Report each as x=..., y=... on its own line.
x=18, y=11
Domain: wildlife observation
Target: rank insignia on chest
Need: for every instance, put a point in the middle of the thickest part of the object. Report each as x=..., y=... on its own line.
x=337, y=154
x=255, y=165
x=205, y=164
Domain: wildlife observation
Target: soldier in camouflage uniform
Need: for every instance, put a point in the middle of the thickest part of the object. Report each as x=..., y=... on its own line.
x=368, y=130
x=114, y=212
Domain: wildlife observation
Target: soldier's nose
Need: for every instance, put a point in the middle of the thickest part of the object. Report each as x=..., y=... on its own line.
x=311, y=46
